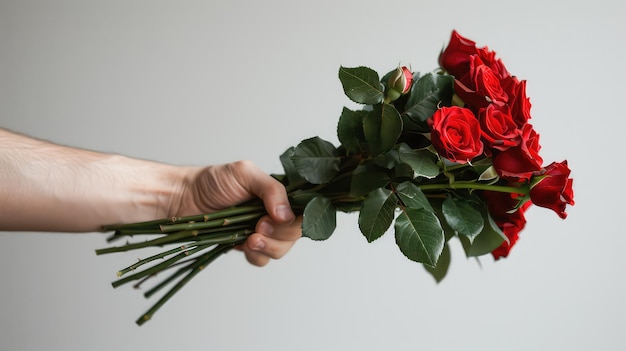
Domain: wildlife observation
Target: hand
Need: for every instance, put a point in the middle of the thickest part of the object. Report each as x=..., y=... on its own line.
x=220, y=186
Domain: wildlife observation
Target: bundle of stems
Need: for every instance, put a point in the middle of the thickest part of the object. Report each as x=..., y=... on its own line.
x=197, y=240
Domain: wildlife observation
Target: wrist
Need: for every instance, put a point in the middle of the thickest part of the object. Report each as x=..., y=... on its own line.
x=149, y=190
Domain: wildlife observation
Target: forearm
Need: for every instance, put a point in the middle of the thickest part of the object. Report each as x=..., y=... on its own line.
x=48, y=187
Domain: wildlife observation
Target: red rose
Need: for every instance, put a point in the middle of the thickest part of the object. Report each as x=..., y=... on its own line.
x=518, y=101
x=555, y=190
x=499, y=131
x=522, y=161
x=455, y=134
x=489, y=59
x=500, y=206
x=455, y=57
x=480, y=86
x=511, y=230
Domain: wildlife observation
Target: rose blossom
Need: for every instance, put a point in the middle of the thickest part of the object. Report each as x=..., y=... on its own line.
x=489, y=58
x=500, y=205
x=511, y=230
x=455, y=134
x=555, y=190
x=455, y=57
x=486, y=81
x=480, y=86
x=499, y=131
x=522, y=161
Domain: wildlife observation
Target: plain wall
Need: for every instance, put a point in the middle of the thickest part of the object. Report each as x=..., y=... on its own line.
x=204, y=82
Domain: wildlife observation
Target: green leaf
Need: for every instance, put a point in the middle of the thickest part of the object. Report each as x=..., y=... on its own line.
x=443, y=264
x=319, y=219
x=361, y=85
x=387, y=160
x=376, y=213
x=426, y=95
x=490, y=238
x=290, y=169
x=367, y=178
x=350, y=130
x=420, y=160
x=412, y=196
x=436, y=204
x=315, y=160
x=382, y=126
x=402, y=172
x=419, y=235
x=464, y=218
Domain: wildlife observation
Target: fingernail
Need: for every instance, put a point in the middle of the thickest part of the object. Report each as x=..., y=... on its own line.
x=265, y=228
x=284, y=213
x=259, y=245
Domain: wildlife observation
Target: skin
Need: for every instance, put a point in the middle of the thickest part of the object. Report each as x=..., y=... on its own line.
x=53, y=188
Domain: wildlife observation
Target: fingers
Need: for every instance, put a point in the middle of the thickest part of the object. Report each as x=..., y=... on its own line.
x=232, y=183
x=271, y=241
x=268, y=189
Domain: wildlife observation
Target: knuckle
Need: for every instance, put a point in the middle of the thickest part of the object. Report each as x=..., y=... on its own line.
x=243, y=165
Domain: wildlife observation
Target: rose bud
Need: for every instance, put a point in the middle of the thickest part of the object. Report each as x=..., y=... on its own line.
x=555, y=190
x=401, y=80
x=399, y=83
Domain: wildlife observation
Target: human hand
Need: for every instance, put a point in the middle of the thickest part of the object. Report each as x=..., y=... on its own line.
x=217, y=187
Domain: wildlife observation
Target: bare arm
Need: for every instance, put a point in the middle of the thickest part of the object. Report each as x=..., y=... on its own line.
x=49, y=187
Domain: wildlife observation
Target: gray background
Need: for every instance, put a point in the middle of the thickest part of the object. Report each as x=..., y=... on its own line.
x=193, y=82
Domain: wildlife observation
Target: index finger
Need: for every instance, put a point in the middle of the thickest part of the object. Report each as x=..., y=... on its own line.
x=270, y=191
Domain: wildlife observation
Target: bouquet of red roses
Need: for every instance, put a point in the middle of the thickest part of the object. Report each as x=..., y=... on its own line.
x=445, y=155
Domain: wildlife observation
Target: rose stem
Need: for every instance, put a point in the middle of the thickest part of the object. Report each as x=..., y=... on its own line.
x=475, y=186
x=199, y=232
x=186, y=248
x=186, y=231
x=169, y=279
x=166, y=228
x=194, y=218
x=226, y=239
x=197, y=267
x=156, y=268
